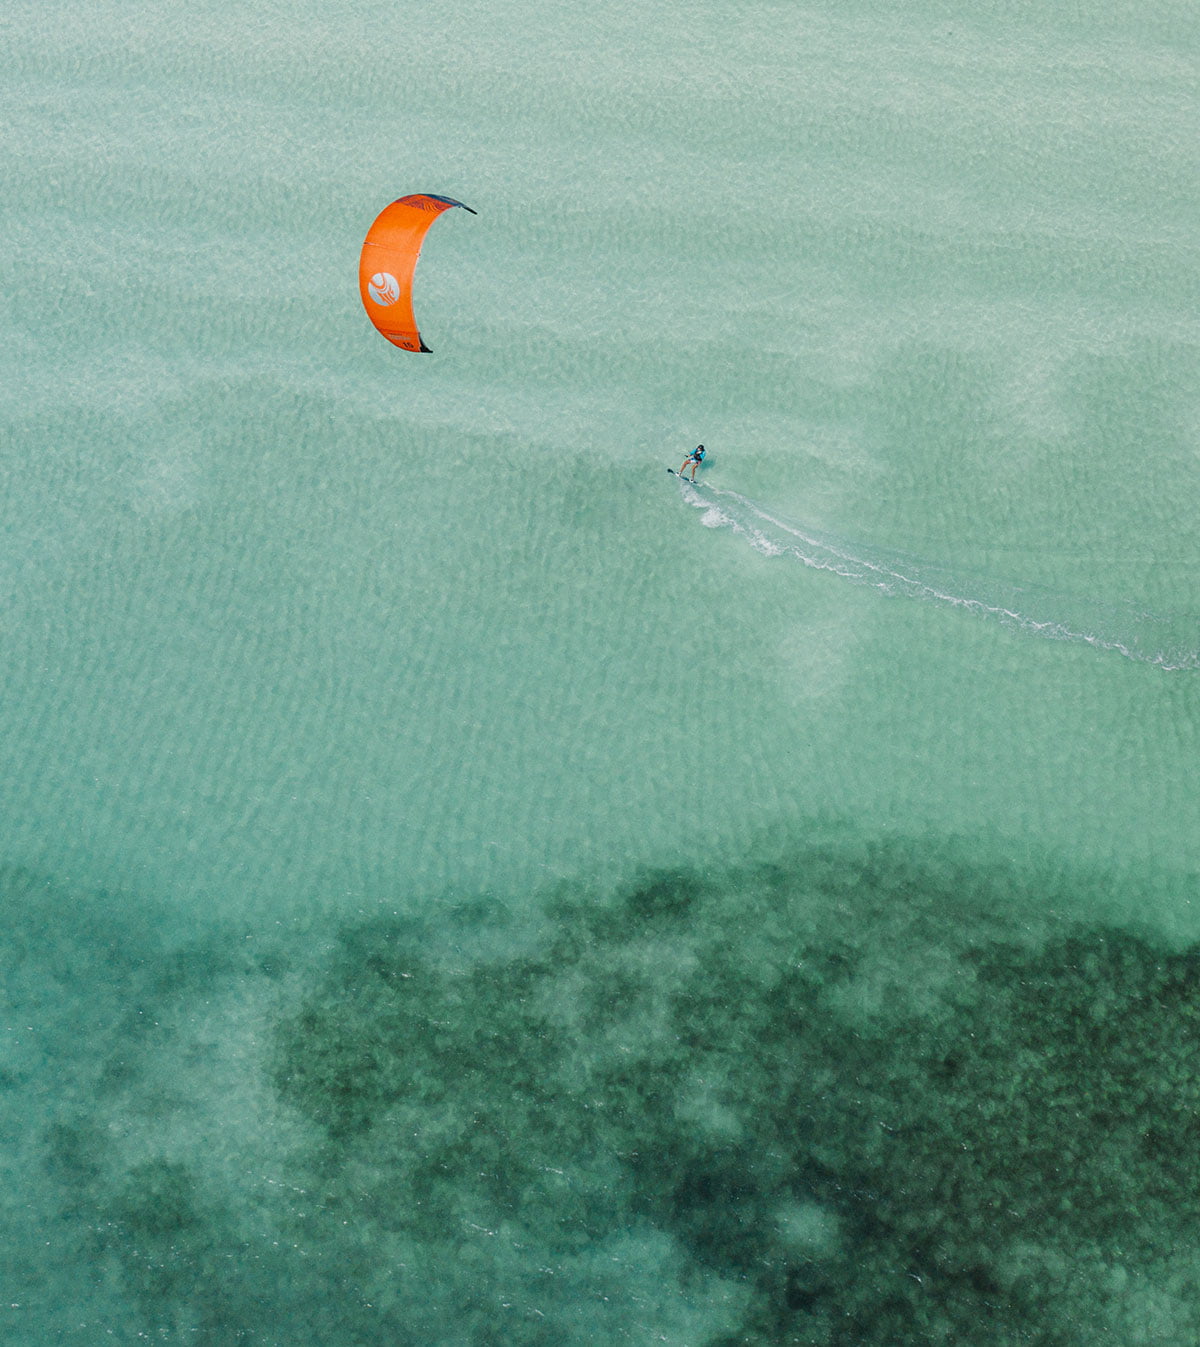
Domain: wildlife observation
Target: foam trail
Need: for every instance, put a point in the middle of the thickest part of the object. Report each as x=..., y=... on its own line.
x=1167, y=642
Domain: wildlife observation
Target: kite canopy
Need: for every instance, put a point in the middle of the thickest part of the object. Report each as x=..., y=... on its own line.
x=388, y=260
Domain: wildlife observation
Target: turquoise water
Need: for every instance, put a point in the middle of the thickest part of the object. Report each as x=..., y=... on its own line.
x=463, y=886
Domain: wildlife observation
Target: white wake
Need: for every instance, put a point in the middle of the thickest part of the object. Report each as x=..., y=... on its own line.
x=1167, y=642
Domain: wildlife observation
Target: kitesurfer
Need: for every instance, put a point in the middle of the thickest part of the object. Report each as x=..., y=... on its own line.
x=694, y=459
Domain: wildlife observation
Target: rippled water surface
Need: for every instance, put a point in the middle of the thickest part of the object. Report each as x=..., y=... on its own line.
x=462, y=885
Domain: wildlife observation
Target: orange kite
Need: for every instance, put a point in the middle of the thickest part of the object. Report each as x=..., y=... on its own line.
x=388, y=260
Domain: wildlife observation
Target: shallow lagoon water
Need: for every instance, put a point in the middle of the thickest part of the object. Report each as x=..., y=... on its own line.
x=453, y=895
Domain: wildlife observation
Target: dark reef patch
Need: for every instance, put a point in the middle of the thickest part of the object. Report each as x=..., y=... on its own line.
x=832, y=1084
x=867, y=1097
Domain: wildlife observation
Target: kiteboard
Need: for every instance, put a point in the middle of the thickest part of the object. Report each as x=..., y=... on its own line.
x=690, y=480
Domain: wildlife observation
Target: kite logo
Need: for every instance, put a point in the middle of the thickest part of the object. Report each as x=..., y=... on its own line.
x=383, y=288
